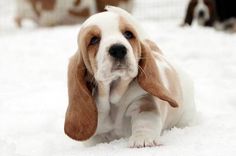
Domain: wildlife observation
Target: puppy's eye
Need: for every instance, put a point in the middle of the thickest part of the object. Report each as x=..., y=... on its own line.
x=94, y=40
x=128, y=35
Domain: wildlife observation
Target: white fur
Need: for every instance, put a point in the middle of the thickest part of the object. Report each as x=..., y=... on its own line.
x=120, y=116
x=201, y=6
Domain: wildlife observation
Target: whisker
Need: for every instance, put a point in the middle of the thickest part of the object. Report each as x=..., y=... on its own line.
x=142, y=70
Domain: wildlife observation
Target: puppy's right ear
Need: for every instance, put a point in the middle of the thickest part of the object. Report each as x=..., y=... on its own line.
x=189, y=14
x=81, y=115
x=149, y=77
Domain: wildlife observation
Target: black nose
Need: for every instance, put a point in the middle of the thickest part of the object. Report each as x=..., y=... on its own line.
x=201, y=13
x=118, y=51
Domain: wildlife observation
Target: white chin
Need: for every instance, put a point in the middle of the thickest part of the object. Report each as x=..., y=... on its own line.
x=108, y=77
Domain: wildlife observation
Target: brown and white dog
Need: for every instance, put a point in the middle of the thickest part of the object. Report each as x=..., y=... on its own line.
x=220, y=14
x=121, y=85
x=204, y=11
x=60, y=12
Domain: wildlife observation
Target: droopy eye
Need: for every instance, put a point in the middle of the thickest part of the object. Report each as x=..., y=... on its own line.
x=94, y=40
x=128, y=35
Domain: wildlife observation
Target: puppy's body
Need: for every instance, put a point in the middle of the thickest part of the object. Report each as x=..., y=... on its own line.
x=135, y=91
x=160, y=115
x=60, y=12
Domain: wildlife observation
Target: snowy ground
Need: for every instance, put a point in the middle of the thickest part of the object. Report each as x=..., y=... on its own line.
x=33, y=92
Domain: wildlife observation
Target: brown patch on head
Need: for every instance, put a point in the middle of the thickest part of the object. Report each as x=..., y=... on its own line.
x=89, y=50
x=42, y=5
x=124, y=26
x=102, y=3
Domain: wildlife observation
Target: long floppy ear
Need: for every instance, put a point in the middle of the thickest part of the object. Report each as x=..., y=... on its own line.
x=81, y=115
x=189, y=14
x=213, y=14
x=149, y=79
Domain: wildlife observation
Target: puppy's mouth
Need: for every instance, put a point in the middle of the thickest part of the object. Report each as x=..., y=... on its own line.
x=119, y=66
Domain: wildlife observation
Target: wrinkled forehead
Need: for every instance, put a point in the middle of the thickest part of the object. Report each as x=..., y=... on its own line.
x=106, y=21
x=110, y=22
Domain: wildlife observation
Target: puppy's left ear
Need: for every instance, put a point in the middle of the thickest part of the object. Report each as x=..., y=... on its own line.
x=149, y=77
x=81, y=114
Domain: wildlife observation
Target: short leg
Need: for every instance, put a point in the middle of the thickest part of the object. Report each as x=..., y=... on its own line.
x=146, y=123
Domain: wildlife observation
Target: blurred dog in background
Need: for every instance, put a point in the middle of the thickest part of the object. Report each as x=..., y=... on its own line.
x=218, y=13
x=62, y=12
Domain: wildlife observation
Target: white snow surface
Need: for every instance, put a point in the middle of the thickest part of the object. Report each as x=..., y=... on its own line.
x=33, y=92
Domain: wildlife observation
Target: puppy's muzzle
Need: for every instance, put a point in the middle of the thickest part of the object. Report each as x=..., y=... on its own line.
x=118, y=51
x=201, y=14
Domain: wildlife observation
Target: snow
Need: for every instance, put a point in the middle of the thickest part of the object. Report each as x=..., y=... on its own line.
x=33, y=92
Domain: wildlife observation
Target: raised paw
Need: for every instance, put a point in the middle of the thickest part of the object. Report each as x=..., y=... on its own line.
x=140, y=141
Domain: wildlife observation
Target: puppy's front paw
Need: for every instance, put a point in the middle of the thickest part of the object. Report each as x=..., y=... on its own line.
x=139, y=141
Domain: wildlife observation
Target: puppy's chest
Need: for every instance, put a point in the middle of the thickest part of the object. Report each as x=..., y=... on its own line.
x=117, y=124
x=121, y=124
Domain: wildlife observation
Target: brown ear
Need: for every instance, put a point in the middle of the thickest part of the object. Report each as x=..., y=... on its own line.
x=81, y=115
x=149, y=79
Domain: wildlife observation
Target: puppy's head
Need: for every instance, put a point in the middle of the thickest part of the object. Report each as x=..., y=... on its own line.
x=203, y=11
x=111, y=46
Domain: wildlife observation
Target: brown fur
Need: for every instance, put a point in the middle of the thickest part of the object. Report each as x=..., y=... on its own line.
x=45, y=5
x=81, y=116
x=171, y=74
x=125, y=26
x=147, y=104
x=100, y=5
x=76, y=2
x=82, y=13
x=89, y=51
x=148, y=77
x=190, y=12
x=148, y=74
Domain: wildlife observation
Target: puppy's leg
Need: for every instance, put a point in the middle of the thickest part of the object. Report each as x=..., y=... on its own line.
x=103, y=106
x=146, y=123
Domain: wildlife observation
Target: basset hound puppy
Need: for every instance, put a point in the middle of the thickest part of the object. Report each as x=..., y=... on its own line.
x=61, y=12
x=121, y=85
x=220, y=14
x=203, y=11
